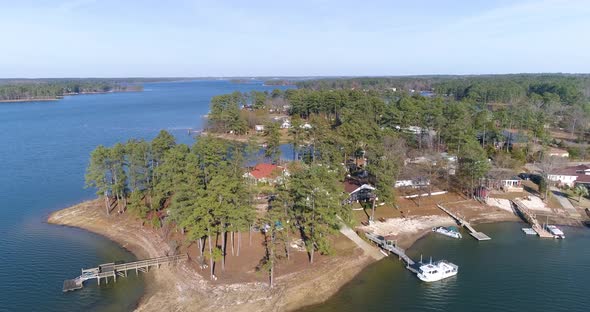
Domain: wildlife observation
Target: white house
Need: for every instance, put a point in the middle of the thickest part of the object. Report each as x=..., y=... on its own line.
x=286, y=124
x=414, y=183
x=571, y=176
x=259, y=128
x=306, y=126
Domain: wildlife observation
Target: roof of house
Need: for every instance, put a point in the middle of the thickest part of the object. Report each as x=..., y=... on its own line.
x=363, y=187
x=571, y=171
x=265, y=171
x=351, y=185
x=583, y=178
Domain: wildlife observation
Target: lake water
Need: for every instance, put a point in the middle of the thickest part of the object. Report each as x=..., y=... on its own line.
x=512, y=272
x=44, y=148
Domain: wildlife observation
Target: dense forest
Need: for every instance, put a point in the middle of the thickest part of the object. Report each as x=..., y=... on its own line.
x=201, y=190
x=44, y=89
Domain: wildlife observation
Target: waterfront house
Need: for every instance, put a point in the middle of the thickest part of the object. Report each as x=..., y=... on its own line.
x=359, y=192
x=504, y=179
x=570, y=176
x=267, y=174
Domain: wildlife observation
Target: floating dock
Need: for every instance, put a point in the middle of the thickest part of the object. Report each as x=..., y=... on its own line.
x=104, y=271
x=477, y=235
x=530, y=217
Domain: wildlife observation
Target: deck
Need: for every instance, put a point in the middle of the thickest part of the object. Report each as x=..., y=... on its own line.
x=106, y=270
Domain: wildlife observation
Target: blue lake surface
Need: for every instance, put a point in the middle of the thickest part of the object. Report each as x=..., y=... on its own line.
x=511, y=272
x=44, y=148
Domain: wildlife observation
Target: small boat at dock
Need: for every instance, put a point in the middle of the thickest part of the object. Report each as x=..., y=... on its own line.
x=555, y=231
x=450, y=231
x=437, y=271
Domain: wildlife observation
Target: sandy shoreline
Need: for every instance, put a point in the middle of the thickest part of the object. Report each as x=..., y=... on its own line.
x=181, y=288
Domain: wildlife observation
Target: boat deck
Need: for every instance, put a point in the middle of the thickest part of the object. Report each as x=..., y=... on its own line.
x=480, y=236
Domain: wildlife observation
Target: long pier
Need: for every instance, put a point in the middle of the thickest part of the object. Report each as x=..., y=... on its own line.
x=531, y=218
x=104, y=271
x=462, y=222
x=392, y=248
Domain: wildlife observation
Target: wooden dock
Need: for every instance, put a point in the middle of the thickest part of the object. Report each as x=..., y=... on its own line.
x=531, y=218
x=394, y=249
x=104, y=271
x=462, y=222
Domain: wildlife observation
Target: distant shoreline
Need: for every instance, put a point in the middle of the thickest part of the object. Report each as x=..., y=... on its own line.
x=57, y=98
x=32, y=100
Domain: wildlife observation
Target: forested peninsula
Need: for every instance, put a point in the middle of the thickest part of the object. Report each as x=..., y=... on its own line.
x=266, y=232
x=24, y=90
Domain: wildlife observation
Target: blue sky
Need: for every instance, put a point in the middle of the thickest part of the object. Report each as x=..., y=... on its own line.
x=107, y=38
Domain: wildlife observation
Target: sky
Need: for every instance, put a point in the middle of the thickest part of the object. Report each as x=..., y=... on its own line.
x=194, y=38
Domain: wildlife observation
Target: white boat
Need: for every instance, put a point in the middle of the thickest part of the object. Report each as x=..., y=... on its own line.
x=450, y=231
x=555, y=231
x=437, y=271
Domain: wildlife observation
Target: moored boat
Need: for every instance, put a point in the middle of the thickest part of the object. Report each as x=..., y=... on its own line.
x=437, y=271
x=450, y=231
x=555, y=231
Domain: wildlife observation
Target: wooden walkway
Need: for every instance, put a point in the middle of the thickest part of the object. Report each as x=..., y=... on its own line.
x=477, y=235
x=530, y=217
x=104, y=271
x=392, y=248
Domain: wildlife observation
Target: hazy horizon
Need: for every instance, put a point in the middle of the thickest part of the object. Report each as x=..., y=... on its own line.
x=297, y=77
x=204, y=38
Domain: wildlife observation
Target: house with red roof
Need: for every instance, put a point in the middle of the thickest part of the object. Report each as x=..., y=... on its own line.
x=267, y=173
x=571, y=176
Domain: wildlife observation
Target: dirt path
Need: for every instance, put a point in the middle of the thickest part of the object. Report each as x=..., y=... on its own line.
x=368, y=249
x=565, y=203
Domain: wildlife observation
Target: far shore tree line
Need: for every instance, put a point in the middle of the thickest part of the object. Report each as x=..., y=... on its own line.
x=14, y=90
